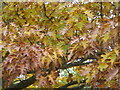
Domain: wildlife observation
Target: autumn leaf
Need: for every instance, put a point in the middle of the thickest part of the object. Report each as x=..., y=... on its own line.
x=59, y=43
x=112, y=73
x=80, y=25
x=89, y=13
x=102, y=66
x=106, y=37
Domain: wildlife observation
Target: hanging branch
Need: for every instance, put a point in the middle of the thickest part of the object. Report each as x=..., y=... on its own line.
x=69, y=84
x=67, y=71
x=4, y=57
x=53, y=10
x=101, y=10
x=31, y=80
x=72, y=83
x=44, y=8
x=22, y=84
x=79, y=87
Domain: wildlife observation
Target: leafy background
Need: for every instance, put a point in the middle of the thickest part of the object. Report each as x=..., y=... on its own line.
x=59, y=43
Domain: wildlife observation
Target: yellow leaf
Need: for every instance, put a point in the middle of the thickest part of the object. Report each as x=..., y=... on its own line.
x=85, y=44
x=116, y=51
x=89, y=14
x=106, y=37
x=27, y=32
x=102, y=66
x=60, y=51
x=55, y=55
x=51, y=79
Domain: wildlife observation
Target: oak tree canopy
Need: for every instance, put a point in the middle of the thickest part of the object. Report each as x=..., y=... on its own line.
x=60, y=44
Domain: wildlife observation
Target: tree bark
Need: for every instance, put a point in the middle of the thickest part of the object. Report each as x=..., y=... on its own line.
x=22, y=84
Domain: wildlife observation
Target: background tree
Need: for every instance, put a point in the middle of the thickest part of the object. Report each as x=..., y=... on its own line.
x=60, y=45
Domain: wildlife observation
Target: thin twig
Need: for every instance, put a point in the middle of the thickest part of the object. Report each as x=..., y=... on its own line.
x=45, y=13
x=101, y=8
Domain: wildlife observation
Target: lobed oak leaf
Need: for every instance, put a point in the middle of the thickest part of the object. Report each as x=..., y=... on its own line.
x=106, y=36
x=60, y=51
x=102, y=66
x=89, y=13
x=112, y=58
x=112, y=73
x=51, y=79
x=74, y=39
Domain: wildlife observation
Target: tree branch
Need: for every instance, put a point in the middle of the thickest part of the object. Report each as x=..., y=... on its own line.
x=101, y=10
x=53, y=10
x=69, y=84
x=44, y=8
x=7, y=53
x=73, y=64
x=31, y=80
x=3, y=4
x=3, y=58
x=72, y=83
x=79, y=87
x=22, y=84
x=79, y=63
x=68, y=65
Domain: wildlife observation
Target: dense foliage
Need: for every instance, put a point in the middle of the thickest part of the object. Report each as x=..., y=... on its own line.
x=55, y=45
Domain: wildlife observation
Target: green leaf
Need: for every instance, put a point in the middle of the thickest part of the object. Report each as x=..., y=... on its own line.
x=60, y=27
x=106, y=37
x=112, y=57
x=116, y=51
x=54, y=43
x=89, y=14
x=84, y=17
x=102, y=66
x=76, y=17
x=59, y=36
x=66, y=47
x=60, y=44
x=69, y=9
x=85, y=44
x=80, y=25
x=70, y=32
